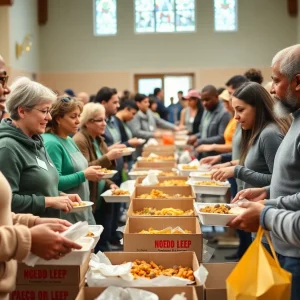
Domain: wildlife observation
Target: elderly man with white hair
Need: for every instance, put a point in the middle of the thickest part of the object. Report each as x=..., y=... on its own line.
x=281, y=213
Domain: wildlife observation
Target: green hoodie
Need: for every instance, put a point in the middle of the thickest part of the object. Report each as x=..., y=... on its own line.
x=29, y=170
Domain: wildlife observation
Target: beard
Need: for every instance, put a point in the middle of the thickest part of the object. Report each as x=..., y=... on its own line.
x=283, y=107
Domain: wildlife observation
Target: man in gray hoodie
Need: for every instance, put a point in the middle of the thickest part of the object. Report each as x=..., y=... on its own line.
x=280, y=214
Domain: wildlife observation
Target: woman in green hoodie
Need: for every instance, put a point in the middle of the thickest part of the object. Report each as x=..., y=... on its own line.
x=72, y=166
x=23, y=158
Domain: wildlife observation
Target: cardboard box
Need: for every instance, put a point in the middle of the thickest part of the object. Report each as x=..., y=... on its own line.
x=162, y=179
x=161, y=148
x=159, y=167
x=140, y=204
x=215, y=286
x=135, y=242
x=51, y=275
x=154, y=165
x=39, y=292
x=164, y=293
x=146, y=153
x=170, y=190
x=166, y=259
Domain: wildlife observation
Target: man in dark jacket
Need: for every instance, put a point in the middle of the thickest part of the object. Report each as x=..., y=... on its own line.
x=161, y=109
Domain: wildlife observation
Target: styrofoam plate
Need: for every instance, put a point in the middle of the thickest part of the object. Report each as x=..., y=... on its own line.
x=110, y=175
x=97, y=231
x=107, y=195
x=201, y=176
x=210, y=190
x=211, y=218
x=82, y=208
x=75, y=257
x=128, y=151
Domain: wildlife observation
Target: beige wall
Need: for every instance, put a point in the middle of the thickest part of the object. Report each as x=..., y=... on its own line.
x=4, y=40
x=73, y=58
x=23, y=21
x=66, y=54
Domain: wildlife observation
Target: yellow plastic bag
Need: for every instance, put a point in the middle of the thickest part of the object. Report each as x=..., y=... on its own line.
x=258, y=275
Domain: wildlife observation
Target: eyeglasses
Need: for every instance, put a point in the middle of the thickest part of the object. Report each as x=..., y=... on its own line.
x=3, y=81
x=43, y=111
x=97, y=121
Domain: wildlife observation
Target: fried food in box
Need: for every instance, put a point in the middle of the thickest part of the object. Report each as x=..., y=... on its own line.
x=216, y=209
x=174, y=182
x=120, y=192
x=77, y=204
x=167, y=174
x=159, y=158
x=188, y=167
x=208, y=183
x=105, y=171
x=150, y=211
x=141, y=268
x=156, y=194
x=168, y=230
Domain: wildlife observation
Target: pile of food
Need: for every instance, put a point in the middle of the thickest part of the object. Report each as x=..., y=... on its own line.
x=158, y=158
x=188, y=167
x=157, y=194
x=209, y=183
x=105, y=171
x=150, y=211
x=141, y=268
x=173, y=182
x=77, y=204
x=167, y=174
x=168, y=230
x=120, y=192
x=221, y=209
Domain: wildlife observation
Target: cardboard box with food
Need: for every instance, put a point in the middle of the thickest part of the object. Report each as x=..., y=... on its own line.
x=163, y=235
x=162, y=208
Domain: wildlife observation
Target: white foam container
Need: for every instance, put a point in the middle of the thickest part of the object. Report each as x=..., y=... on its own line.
x=97, y=231
x=74, y=258
x=135, y=174
x=211, y=218
x=82, y=208
x=209, y=190
x=182, y=172
x=108, y=197
x=106, y=176
x=127, y=153
x=199, y=176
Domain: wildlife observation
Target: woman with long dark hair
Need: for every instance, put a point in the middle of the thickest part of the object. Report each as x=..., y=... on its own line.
x=262, y=134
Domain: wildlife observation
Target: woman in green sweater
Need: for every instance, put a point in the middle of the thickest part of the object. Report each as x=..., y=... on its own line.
x=73, y=169
x=23, y=158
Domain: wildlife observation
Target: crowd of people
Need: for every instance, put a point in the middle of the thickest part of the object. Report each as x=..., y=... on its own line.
x=53, y=146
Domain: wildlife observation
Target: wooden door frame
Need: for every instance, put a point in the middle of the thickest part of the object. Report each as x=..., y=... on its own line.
x=160, y=75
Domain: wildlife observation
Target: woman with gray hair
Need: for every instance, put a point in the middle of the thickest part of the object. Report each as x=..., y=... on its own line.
x=23, y=158
x=94, y=149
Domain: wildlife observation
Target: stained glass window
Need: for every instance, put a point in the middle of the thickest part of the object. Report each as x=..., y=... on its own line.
x=225, y=15
x=164, y=15
x=105, y=17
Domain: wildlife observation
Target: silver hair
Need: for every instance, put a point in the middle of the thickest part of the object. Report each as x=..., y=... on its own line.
x=89, y=111
x=289, y=61
x=27, y=93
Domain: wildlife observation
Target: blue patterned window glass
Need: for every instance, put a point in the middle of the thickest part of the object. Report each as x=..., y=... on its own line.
x=225, y=15
x=164, y=16
x=105, y=18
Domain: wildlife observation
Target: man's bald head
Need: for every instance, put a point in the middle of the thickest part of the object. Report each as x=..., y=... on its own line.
x=288, y=61
x=84, y=97
x=210, y=89
x=209, y=97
